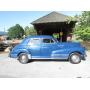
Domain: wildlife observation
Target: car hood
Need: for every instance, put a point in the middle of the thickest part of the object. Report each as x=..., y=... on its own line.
x=70, y=44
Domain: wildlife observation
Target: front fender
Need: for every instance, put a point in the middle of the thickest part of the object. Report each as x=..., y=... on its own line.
x=68, y=51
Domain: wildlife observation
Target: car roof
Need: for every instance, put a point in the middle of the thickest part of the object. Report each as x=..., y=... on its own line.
x=40, y=36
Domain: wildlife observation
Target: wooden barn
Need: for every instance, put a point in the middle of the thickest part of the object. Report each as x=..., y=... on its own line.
x=54, y=23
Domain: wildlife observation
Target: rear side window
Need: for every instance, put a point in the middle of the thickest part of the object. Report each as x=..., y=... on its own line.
x=34, y=41
x=48, y=41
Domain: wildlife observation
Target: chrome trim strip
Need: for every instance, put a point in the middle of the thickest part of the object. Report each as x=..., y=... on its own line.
x=49, y=58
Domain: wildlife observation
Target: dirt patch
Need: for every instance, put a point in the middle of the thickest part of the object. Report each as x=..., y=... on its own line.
x=86, y=44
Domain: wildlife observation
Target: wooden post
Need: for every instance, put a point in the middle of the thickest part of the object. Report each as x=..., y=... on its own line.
x=61, y=35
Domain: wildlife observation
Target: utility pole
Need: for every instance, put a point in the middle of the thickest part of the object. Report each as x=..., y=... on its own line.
x=4, y=33
x=4, y=29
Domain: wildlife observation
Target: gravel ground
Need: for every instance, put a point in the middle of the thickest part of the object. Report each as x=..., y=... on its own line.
x=11, y=68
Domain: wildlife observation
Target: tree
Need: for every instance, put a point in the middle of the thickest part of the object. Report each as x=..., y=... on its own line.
x=15, y=31
x=30, y=31
x=82, y=29
x=27, y=31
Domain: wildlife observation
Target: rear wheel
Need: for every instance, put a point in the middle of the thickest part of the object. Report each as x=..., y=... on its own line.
x=75, y=58
x=23, y=58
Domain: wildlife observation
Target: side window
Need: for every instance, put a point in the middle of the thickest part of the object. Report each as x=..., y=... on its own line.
x=34, y=41
x=48, y=41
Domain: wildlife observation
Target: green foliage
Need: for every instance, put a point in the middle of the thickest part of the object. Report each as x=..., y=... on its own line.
x=56, y=35
x=27, y=30
x=82, y=29
x=30, y=31
x=83, y=33
x=15, y=32
x=69, y=19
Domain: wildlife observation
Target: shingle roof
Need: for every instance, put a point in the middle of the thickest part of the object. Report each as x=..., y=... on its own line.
x=52, y=17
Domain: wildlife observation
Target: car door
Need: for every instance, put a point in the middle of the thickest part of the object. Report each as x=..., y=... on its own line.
x=47, y=47
x=34, y=47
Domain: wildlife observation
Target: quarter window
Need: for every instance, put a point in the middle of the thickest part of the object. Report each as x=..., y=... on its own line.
x=48, y=41
x=34, y=41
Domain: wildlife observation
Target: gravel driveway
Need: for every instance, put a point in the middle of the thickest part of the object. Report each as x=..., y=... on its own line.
x=10, y=68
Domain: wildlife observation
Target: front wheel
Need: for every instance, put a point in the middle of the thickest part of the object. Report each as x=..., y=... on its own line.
x=75, y=58
x=23, y=58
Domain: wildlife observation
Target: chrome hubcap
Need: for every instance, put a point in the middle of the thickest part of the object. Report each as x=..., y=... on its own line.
x=75, y=58
x=23, y=58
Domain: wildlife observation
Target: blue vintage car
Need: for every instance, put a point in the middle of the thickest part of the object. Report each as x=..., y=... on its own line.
x=47, y=47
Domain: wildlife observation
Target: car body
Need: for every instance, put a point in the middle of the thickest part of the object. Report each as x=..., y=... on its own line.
x=47, y=47
x=3, y=45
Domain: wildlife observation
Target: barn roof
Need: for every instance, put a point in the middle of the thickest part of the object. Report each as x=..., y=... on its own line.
x=51, y=17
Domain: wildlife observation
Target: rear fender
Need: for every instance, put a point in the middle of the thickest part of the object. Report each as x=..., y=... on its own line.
x=24, y=51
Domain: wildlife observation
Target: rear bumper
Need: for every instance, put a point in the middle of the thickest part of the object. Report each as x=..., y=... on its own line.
x=12, y=55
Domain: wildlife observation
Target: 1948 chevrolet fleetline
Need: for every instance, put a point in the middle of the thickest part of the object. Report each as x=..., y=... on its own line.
x=47, y=47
